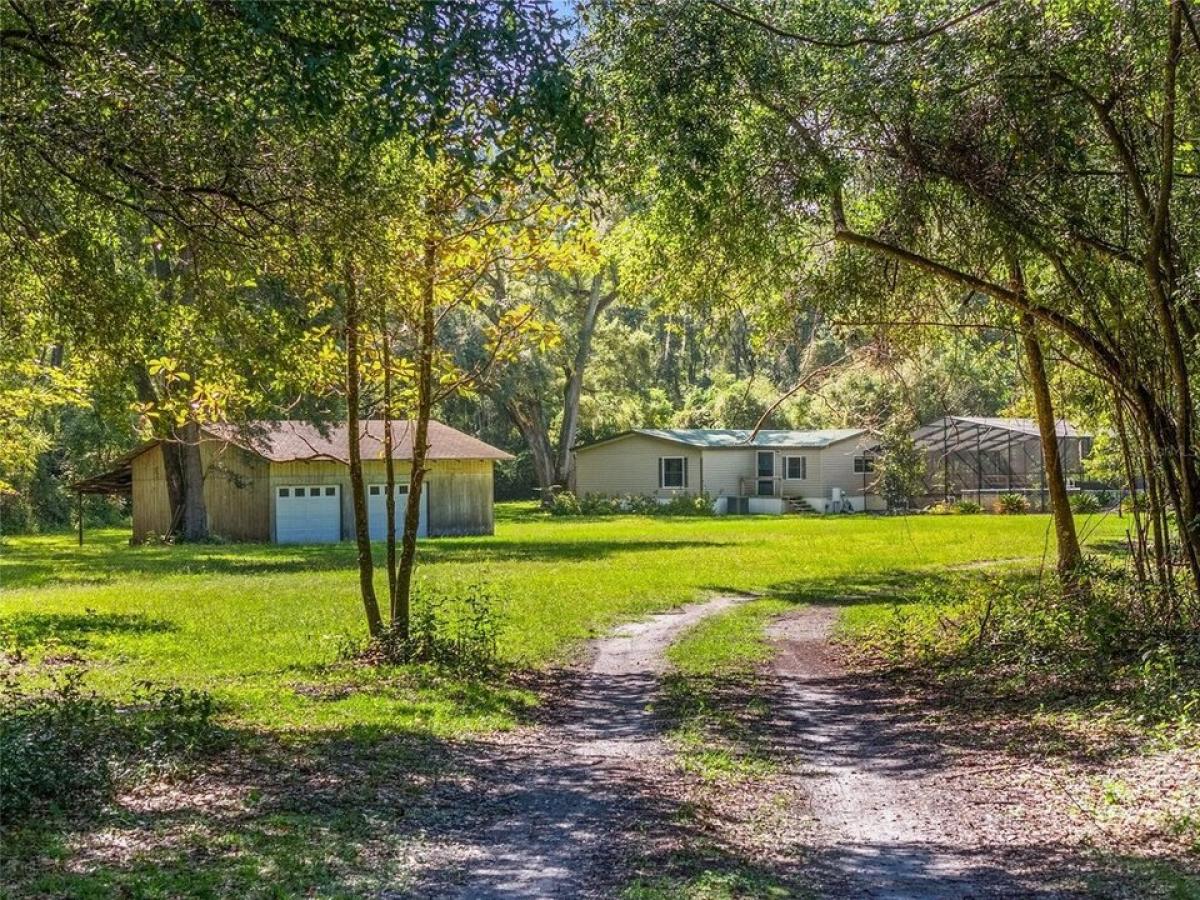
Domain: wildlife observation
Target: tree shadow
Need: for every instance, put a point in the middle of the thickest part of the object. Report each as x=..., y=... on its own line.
x=30, y=568
x=78, y=629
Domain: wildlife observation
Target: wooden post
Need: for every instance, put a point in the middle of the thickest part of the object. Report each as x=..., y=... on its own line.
x=79, y=513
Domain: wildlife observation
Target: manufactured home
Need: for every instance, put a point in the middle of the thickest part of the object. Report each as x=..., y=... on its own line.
x=742, y=471
x=289, y=482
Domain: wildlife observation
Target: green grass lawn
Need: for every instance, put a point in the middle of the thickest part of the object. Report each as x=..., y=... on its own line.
x=260, y=626
x=329, y=759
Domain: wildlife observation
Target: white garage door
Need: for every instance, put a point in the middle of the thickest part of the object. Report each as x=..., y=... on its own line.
x=377, y=510
x=308, y=514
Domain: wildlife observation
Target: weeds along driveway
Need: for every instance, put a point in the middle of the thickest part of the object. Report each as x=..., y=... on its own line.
x=904, y=807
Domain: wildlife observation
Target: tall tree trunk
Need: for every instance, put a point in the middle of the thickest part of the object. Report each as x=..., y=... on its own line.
x=389, y=466
x=1069, y=554
x=573, y=391
x=527, y=415
x=420, y=443
x=194, y=524
x=1135, y=512
x=358, y=494
x=172, y=446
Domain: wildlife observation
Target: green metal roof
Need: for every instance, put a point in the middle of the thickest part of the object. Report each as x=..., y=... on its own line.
x=741, y=437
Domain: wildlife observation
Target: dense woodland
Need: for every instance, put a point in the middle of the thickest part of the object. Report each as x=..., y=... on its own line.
x=549, y=227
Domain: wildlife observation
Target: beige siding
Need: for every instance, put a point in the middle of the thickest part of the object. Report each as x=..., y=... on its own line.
x=724, y=469
x=810, y=485
x=629, y=465
x=460, y=497
x=459, y=491
x=237, y=492
x=837, y=470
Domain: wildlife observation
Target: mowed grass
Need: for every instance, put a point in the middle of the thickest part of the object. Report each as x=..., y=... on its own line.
x=260, y=626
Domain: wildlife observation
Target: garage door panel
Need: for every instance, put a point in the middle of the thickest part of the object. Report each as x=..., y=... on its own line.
x=308, y=514
x=377, y=510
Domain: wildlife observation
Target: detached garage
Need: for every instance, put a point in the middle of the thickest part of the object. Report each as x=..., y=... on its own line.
x=289, y=482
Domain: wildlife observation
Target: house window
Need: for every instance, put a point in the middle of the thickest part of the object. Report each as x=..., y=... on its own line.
x=374, y=490
x=329, y=492
x=796, y=468
x=864, y=464
x=299, y=492
x=283, y=492
x=672, y=472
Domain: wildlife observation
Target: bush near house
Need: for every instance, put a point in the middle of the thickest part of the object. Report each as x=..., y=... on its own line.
x=1012, y=504
x=568, y=504
x=1085, y=504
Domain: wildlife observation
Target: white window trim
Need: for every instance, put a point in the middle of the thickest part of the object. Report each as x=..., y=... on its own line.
x=662, y=471
x=803, y=467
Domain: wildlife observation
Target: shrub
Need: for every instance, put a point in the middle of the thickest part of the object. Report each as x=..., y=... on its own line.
x=967, y=508
x=1118, y=639
x=68, y=746
x=454, y=628
x=684, y=505
x=1139, y=502
x=1012, y=504
x=942, y=508
x=567, y=504
x=1084, y=504
x=1106, y=498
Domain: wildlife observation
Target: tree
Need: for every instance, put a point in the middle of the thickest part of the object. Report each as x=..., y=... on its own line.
x=932, y=142
x=901, y=465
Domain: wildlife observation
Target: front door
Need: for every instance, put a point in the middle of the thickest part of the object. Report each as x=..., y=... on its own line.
x=766, y=473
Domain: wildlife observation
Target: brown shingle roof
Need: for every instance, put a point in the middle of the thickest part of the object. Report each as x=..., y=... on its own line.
x=290, y=440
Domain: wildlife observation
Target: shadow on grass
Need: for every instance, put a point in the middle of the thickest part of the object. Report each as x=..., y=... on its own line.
x=78, y=629
x=34, y=567
x=332, y=813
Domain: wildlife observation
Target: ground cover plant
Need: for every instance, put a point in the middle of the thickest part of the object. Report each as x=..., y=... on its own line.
x=1092, y=695
x=325, y=744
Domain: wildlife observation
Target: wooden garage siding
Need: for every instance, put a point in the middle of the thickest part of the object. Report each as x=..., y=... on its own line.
x=151, y=503
x=459, y=491
x=236, y=494
x=630, y=466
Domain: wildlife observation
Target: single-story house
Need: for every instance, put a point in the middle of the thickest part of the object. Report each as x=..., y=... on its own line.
x=764, y=472
x=982, y=457
x=289, y=481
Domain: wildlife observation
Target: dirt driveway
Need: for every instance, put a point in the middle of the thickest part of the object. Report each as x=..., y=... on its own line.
x=559, y=802
x=900, y=810
x=884, y=800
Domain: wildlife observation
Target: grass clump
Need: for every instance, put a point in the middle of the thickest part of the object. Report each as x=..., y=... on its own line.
x=454, y=629
x=711, y=696
x=1012, y=505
